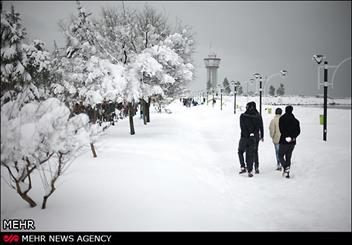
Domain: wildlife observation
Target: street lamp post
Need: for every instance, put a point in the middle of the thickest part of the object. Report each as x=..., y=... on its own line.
x=258, y=76
x=325, y=100
x=235, y=93
x=213, y=98
x=260, y=95
x=319, y=58
x=234, y=96
x=219, y=90
x=220, y=98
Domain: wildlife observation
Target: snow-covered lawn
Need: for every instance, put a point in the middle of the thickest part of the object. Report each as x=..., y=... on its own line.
x=180, y=173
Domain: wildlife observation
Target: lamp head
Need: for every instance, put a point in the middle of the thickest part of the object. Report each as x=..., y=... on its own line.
x=318, y=58
x=257, y=75
x=283, y=72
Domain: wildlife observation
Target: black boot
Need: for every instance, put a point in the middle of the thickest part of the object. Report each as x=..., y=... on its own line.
x=243, y=170
x=286, y=172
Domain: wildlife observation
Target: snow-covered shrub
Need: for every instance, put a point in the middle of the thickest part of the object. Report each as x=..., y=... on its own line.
x=39, y=136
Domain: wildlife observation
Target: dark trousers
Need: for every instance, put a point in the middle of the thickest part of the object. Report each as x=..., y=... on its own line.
x=247, y=145
x=256, y=158
x=285, y=154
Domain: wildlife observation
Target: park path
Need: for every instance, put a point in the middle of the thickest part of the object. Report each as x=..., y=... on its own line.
x=180, y=173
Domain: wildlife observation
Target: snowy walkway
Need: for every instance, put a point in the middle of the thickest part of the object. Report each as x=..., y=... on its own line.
x=180, y=172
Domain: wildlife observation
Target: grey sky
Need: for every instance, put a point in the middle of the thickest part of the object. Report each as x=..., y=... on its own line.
x=249, y=37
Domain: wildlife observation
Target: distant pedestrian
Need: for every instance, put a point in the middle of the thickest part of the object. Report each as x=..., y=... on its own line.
x=250, y=123
x=275, y=135
x=290, y=129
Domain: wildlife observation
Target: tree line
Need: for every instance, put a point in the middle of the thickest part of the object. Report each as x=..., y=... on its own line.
x=272, y=91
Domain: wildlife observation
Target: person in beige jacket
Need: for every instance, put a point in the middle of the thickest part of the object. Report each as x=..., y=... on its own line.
x=275, y=134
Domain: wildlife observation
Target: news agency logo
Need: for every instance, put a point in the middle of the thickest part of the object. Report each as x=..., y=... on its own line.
x=15, y=225
x=11, y=238
x=18, y=224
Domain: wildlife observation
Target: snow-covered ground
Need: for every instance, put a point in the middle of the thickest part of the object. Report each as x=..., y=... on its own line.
x=180, y=173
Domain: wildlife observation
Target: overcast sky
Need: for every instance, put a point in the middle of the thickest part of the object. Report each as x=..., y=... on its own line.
x=249, y=37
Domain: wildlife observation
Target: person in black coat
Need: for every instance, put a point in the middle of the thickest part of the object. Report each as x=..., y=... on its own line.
x=290, y=129
x=251, y=124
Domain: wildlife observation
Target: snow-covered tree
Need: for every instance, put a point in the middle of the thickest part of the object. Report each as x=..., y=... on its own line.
x=271, y=90
x=135, y=42
x=152, y=28
x=226, y=86
x=280, y=90
x=13, y=58
x=132, y=37
x=169, y=72
x=117, y=34
x=182, y=44
x=89, y=79
x=38, y=65
x=25, y=68
x=155, y=32
x=239, y=90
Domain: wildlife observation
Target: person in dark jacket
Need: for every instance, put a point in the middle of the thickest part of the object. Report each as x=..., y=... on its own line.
x=290, y=129
x=251, y=123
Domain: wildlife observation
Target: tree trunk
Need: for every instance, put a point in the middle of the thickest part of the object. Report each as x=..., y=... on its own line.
x=147, y=109
x=52, y=184
x=28, y=199
x=45, y=198
x=24, y=196
x=94, y=115
x=130, y=116
x=143, y=108
x=93, y=150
